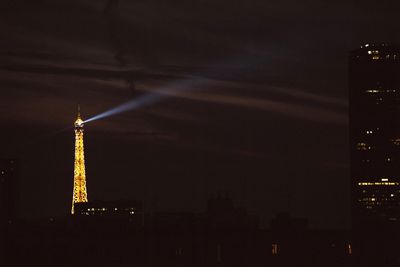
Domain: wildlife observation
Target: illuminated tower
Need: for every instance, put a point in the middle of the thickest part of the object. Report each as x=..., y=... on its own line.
x=80, y=193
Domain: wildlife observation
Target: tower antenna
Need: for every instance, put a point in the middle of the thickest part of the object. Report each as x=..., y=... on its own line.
x=79, y=111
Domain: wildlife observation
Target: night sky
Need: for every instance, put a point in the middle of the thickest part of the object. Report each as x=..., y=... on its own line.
x=251, y=101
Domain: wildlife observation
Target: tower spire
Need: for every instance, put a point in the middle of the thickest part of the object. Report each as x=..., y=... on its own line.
x=79, y=111
x=79, y=192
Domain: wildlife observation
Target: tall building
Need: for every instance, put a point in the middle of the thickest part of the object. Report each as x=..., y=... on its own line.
x=9, y=190
x=79, y=193
x=374, y=94
x=9, y=206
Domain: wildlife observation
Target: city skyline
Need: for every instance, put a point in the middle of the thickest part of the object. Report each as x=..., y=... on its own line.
x=253, y=104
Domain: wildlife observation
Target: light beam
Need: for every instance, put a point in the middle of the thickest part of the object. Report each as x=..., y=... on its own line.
x=132, y=104
x=154, y=96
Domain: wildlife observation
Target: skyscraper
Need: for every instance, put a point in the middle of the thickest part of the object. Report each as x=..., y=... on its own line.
x=79, y=193
x=9, y=190
x=374, y=94
x=9, y=206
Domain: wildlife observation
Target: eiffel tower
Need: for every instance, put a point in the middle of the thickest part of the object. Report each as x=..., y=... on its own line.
x=80, y=193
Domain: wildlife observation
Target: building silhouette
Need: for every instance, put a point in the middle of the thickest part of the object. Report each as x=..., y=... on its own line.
x=374, y=83
x=374, y=96
x=9, y=190
x=222, y=213
x=9, y=205
x=109, y=237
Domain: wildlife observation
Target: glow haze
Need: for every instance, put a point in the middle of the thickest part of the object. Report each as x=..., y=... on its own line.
x=152, y=97
x=130, y=105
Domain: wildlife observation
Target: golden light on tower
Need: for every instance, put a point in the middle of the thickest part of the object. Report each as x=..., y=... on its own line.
x=80, y=193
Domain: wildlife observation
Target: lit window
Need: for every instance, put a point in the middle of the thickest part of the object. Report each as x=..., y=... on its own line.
x=396, y=141
x=349, y=250
x=377, y=183
x=274, y=249
x=384, y=179
x=363, y=146
x=374, y=91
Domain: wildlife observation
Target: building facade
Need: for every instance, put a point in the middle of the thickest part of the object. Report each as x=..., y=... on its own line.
x=9, y=189
x=9, y=206
x=374, y=95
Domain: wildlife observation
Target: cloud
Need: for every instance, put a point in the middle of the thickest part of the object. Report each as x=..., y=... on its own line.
x=196, y=88
x=294, y=110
